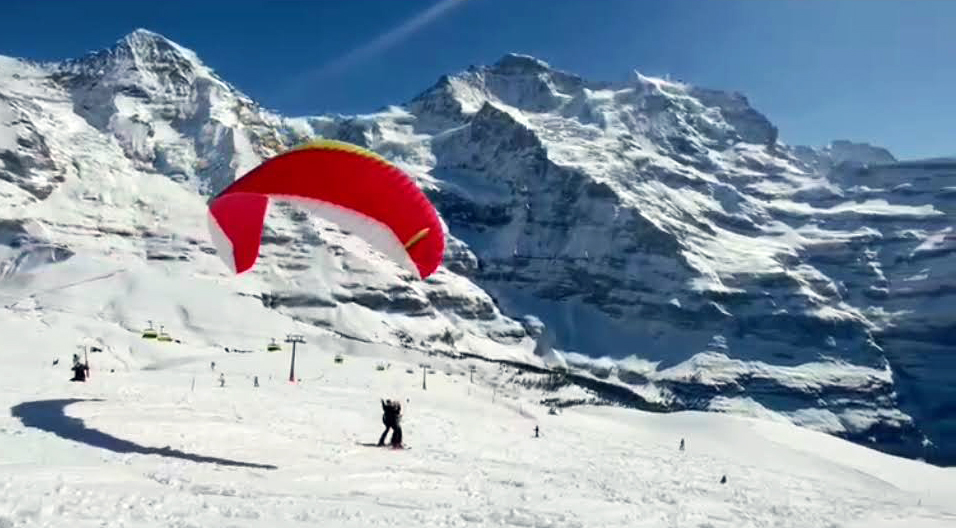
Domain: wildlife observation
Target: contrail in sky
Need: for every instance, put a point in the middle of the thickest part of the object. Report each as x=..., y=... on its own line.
x=380, y=43
x=389, y=38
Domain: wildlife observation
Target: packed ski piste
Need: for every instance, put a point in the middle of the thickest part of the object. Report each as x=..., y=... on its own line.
x=213, y=424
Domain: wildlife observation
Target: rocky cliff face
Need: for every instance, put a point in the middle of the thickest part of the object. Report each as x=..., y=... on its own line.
x=661, y=240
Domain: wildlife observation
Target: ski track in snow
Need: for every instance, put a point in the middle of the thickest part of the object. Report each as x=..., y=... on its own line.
x=473, y=462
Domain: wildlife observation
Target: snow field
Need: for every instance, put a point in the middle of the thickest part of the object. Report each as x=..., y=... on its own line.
x=473, y=459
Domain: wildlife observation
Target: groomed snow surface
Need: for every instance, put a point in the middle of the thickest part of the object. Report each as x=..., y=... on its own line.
x=157, y=442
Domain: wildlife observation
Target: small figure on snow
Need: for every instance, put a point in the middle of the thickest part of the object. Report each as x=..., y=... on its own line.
x=222, y=379
x=681, y=444
x=212, y=365
x=255, y=381
x=536, y=431
x=391, y=417
x=723, y=479
x=80, y=369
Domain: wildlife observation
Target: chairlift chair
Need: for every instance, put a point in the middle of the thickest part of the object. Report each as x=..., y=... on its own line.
x=273, y=346
x=150, y=333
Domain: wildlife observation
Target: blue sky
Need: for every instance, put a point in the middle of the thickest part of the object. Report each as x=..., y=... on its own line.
x=880, y=71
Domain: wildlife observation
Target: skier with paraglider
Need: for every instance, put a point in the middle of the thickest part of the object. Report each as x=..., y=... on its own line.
x=391, y=417
x=345, y=184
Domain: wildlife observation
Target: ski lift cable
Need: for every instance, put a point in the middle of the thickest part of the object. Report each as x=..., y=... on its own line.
x=136, y=309
x=64, y=286
x=193, y=324
x=199, y=325
x=94, y=313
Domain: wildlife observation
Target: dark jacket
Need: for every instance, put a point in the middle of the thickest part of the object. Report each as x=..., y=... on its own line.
x=392, y=412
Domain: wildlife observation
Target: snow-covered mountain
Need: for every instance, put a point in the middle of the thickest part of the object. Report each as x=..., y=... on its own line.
x=655, y=239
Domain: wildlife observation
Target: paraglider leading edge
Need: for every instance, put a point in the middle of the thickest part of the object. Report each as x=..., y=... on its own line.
x=339, y=182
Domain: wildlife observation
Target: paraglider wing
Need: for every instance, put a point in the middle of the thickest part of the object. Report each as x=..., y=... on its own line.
x=340, y=182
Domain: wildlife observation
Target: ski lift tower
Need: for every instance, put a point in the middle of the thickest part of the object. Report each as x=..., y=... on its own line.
x=293, y=338
x=425, y=367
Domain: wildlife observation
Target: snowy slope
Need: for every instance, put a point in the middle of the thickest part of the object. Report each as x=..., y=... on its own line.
x=654, y=239
x=152, y=440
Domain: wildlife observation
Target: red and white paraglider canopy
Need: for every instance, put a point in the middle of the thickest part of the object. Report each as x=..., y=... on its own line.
x=340, y=182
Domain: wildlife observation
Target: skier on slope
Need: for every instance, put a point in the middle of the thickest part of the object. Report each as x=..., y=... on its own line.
x=391, y=417
x=80, y=369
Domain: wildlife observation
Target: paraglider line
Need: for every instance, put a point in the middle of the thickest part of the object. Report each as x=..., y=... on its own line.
x=50, y=416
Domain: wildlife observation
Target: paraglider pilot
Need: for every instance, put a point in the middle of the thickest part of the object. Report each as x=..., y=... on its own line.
x=391, y=416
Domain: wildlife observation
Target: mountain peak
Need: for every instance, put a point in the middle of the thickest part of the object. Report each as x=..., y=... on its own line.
x=662, y=84
x=150, y=45
x=143, y=34
x=844, y=150
x=143, y=59
x=520, y=63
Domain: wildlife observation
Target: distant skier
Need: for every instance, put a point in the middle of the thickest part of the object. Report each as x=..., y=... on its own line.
x=80, y=370
x=723, y=479
x=681, y=444
x=212, y=366
x=222, y=379
x=255, y=381
x=391, y=417
x=536, y=431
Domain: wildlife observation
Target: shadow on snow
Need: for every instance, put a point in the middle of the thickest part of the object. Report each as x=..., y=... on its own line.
x=50, y=416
